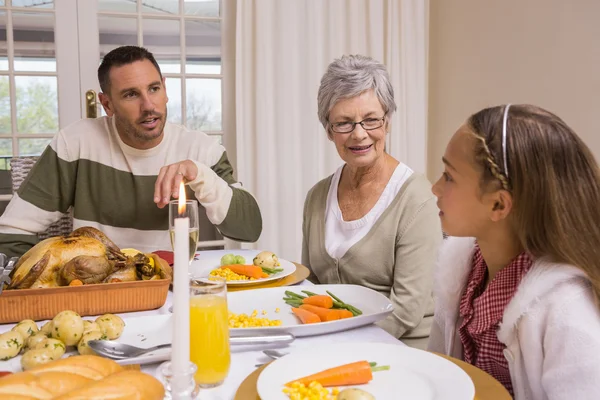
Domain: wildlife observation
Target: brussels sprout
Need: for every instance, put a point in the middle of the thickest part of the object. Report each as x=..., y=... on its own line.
x=240, y=260
x=228, y=259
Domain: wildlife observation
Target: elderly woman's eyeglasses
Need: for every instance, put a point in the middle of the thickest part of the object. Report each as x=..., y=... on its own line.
x=368, y=124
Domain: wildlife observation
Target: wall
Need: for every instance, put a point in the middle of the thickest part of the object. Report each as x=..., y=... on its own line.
x=482, y=53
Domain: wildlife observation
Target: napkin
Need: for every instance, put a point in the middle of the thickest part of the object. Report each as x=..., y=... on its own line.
x=165, y=255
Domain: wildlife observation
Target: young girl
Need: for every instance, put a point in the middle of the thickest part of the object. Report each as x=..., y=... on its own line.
x=517, y=287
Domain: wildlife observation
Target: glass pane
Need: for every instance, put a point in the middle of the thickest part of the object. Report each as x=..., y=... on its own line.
x=203, y=47
x=3, y=45
x=33, y=147
x=174, y=104
x=33, y=3
x=115, y=32
x=160, y=6
x=37, y=106
x=5, y=147
x=203, y=104
x=4, y=105
x=34, y=42
x=205, y=8
x=117, y=5
x=161, y=37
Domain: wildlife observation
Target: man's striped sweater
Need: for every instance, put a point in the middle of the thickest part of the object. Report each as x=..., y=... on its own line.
x=110, y=186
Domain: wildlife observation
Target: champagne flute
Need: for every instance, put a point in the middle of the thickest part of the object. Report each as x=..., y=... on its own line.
x=191, y=212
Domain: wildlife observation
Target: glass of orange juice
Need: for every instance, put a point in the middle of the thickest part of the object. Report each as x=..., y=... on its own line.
x=209, y=330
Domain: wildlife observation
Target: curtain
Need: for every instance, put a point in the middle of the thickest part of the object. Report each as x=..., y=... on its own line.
x=282, y=49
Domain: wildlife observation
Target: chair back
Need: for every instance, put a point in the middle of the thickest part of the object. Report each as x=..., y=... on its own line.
x=19, y=169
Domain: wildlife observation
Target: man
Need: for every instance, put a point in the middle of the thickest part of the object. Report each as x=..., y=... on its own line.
x=119, y=172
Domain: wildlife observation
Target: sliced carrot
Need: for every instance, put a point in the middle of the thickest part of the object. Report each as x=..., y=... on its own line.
x=320, y=300
x=306, y=317
x=356, y=373
x=251, y=271
x=76, y=282
x=344, y=314
x=325, y=314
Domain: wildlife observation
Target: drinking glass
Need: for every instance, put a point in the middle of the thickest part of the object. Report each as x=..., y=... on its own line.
x=209, y=330
x=191, y=212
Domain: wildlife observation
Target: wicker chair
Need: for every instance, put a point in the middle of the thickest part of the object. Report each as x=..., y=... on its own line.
x=19, y=169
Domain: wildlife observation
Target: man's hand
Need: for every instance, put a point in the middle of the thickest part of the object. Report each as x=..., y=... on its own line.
x=169, y=179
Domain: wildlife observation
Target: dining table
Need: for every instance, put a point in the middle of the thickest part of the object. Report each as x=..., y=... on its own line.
x=246, y=359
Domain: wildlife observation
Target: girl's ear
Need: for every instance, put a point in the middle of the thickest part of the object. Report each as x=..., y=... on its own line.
x=501, y=205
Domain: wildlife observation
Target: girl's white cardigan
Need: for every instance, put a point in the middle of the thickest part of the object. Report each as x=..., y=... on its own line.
x=551, y=327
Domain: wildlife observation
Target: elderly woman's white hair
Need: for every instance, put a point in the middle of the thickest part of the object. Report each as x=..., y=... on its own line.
x=350, y=76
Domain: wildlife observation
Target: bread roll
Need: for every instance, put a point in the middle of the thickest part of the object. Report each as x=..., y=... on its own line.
x=92, y=367
x=125, y=385
x=80, y=378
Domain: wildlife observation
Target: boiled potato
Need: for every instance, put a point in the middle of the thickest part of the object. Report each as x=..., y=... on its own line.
x=55, y=347
x=90, y=326
x=33, y=340
x=68, y=327
x=266, y=259
x=33, y=358
x=26, y=328
x=83, y=348
x=111, y=325
x=47, y=329
x=354, y=394
x=11, y=343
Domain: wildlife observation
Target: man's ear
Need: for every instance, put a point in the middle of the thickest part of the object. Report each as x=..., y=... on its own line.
x=106, y=104
x=501, y=205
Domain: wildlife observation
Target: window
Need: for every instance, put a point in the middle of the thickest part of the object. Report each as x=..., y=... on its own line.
x=185, y=38
x=28, y=78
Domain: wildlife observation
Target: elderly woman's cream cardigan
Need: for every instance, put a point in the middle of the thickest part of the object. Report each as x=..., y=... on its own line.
x=396, y=258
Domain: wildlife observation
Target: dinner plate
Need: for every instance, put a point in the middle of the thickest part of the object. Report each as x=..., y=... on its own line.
x=413, y=374
x=269, y=303
x=206, y=261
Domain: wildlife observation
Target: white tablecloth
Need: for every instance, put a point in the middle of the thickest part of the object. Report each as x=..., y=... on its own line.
x=245, y=358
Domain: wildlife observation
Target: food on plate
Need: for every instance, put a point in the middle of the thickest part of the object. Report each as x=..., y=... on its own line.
x=229, y=259
x=35, y=358
x=312, y=391
x=47, y=328
x=305, y=316
x=90, y=326
x=83, y=348
x=266, y=259
x=11, y=343
x=35, y=339
x=319, y=300
x=354, y=394
x=4, y=373
x=251, y=271
x=325, y=307
x=55, y=347
x=356, y=373
x=111, y=325
x=68, y=327
x=81, y=377
x=251, y=321
x=86, y=256
x=229, y=275
x=26, y=328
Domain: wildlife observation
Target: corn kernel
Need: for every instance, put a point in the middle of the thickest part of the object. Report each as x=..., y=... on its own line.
x=313, y=391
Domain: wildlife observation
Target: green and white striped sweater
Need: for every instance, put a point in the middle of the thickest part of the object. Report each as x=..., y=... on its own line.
x=110, y=186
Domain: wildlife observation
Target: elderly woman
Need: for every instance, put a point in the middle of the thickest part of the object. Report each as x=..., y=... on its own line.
x=374, y=222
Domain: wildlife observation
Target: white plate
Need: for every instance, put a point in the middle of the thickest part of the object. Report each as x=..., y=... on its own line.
x=374, y=306
x=141, y=331
x=413, y=374
x=206, y=261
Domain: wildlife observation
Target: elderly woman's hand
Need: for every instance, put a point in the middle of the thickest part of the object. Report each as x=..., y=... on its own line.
x=169, y=179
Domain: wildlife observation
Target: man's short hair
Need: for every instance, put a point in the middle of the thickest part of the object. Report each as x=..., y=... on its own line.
x=122, y=56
